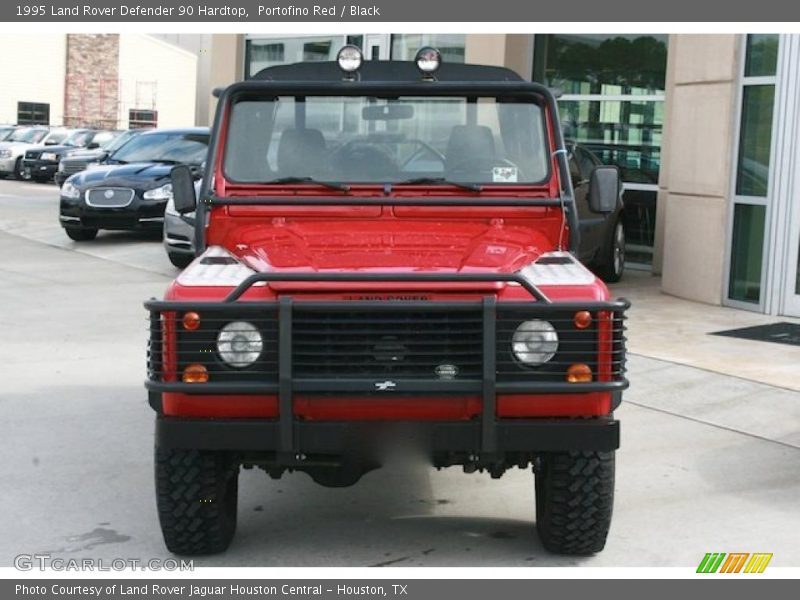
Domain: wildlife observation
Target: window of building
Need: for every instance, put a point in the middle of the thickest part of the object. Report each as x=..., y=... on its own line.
x=753, y=169
x=452, y=46
x=263, y=52
x=33, y=113
x=613, y=104
x=141, y=119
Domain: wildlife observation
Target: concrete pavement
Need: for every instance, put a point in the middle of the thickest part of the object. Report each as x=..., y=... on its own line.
x=708, y=462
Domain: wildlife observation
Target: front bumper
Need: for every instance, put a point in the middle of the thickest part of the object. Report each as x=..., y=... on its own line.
x=178, y=235
x=7, y=165
x=336, y=438
x=140, y=214
x=40, y=169
x=285, y=374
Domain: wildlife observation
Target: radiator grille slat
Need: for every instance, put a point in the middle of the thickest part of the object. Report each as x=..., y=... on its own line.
x=399, y=343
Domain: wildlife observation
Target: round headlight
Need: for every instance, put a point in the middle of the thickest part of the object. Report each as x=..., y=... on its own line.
x=239, y=344
x=349, y=58
x=428, y=60
x=534, y=342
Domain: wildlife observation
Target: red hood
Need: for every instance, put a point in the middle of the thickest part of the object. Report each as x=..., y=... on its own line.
x=388, y=245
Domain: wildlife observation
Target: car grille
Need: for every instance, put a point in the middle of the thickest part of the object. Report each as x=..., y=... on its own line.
x=339, y=341
x=386, y=343
x=73, y=166
x=109, y=197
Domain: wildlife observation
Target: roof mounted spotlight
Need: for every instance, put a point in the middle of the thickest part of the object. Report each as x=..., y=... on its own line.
x=350, y=60
x=428, y=61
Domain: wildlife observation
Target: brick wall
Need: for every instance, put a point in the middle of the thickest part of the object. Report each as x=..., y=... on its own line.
x=91, y=91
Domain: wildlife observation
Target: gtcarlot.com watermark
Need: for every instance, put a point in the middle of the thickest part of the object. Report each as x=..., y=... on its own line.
x=44, y=562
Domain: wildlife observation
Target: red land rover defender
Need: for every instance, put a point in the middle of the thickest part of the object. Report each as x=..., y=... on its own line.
x=386, y=260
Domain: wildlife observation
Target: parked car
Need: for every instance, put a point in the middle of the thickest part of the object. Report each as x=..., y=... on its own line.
x=76, y=161
x=41, y=163
x=602, y=243
x=345, y=309
x=6, y=131
x=132, y=191
x=13, y=149
x=179, y=233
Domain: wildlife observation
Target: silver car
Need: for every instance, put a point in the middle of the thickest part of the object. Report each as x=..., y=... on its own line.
x=12, y=151
x=179, y=233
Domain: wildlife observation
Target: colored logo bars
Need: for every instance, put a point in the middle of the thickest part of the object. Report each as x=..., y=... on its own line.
x=734, y=562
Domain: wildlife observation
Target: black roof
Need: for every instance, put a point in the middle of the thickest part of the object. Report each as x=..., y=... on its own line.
x=384, y=70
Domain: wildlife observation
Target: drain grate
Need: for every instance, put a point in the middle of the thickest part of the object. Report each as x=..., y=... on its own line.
x=779, y=333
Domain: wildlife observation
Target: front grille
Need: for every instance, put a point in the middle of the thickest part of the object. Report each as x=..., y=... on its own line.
x=73, y=166
x=109, y=197
x=351, y=346
x=386, y=342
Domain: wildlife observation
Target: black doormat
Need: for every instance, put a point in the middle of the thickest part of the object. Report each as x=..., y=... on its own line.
x=780, y=333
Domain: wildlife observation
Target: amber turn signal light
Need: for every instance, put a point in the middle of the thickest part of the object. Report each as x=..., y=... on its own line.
x=191, y=321
x=582, y=319
x=579, y=373
x=195, y=374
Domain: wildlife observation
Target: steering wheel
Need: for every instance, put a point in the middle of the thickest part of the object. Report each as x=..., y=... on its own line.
x=361, y=159
x=422, y=148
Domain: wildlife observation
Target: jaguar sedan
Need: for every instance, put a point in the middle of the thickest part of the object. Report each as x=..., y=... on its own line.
x=131, y=192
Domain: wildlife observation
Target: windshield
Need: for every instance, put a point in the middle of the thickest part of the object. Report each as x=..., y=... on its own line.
x=77, y=138
x=184, y=148
x=28, y=135
x=55, y=137
x=104, y=139
x=119, y=141
x=5, y=132
x=378, y=140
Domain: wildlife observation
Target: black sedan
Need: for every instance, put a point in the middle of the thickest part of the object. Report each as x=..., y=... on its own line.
x=131, y=192
x=40, y=163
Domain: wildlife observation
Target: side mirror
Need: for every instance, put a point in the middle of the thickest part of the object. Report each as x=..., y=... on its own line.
x=92, y=146
x=183, y=189
x=50, y=142
x=604, y=186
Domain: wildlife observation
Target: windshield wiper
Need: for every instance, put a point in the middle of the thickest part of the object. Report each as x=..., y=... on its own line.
x=327, y=184
x=473, y=187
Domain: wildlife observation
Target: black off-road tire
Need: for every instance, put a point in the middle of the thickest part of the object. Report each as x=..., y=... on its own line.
x=574, y=501
x=81, y=235
x=197, y=496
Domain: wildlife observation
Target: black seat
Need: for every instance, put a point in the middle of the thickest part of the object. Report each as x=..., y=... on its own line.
x=467, y=143
x=300, y=153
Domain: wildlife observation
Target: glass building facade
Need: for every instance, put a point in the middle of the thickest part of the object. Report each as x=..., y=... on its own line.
x=753, y=169
x=613, y=103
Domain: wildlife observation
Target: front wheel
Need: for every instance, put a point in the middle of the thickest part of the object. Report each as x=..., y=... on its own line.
x=574, y=501
x=20, y=172
x=196, y=495
x=613, y=265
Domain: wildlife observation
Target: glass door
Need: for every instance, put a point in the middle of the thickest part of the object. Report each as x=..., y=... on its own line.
x=376, y=46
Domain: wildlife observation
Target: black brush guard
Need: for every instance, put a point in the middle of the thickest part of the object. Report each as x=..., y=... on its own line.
x=486, y=436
